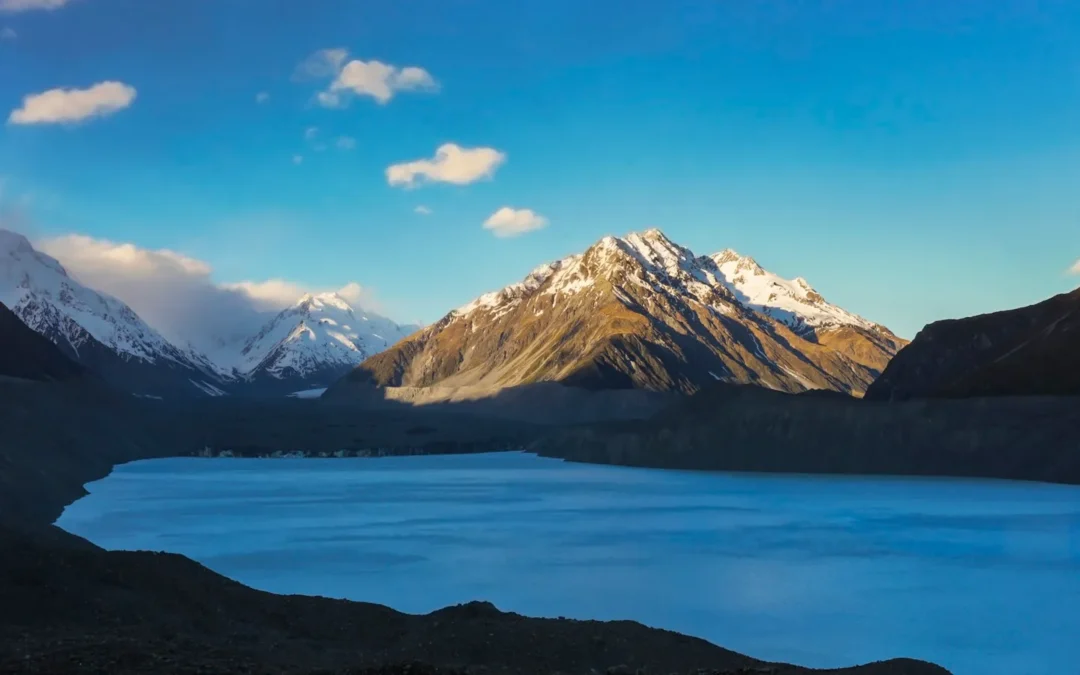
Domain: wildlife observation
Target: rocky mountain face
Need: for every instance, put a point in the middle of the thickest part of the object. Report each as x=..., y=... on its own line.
x=313, y=343
x=27, y=355
x=96, y=330
x=1027, y=351
x=641, y=312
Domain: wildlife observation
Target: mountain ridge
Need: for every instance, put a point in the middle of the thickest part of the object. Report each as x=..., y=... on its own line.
x=1026, y=351
x=640, y=311
x=95, y=329
x=105, y=335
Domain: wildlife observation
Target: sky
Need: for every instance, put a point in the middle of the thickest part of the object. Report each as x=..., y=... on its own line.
x=913, y=159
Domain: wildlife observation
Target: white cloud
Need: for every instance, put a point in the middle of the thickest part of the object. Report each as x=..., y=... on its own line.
x=8, y=33
x=346, y=143
x=262, y=97
x=175, y=293
x=1075, y=269
x=26, y=5
x=298, y=159
x=423, y=210
x=451, y=164
x=58, y=106
x=510, y=222
x=381, y=81
x=311, y=132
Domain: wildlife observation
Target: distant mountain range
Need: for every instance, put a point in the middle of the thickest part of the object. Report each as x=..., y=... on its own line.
x=641, y=312
x=308, y=345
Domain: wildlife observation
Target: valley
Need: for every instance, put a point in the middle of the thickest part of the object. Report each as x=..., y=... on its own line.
x=656, y=358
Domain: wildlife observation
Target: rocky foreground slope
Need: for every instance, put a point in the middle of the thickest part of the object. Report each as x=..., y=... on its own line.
x=640, y=312
x=67, y=606
x=1032, y=350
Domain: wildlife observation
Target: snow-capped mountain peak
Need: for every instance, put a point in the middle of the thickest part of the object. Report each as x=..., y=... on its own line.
x=641, y=311
x=792, y=301
x=653, y=261
x=320, y=334
x=89, y=326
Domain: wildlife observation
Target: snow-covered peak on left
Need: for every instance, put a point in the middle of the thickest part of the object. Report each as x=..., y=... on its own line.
x=41, y=292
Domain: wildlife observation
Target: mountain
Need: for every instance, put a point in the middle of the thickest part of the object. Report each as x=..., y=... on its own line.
x=96, y=330
x=29, y=356
x=1032, y=350
x=313, y=343
x=641, y=312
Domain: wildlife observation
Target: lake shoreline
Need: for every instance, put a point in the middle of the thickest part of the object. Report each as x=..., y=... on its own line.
x=69, y=605
x=680, y=550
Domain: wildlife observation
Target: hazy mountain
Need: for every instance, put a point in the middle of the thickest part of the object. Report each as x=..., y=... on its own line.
x=313, y=343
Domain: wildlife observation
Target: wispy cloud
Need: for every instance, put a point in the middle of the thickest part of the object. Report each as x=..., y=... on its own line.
x=59, y=106
x=311, y=132
x=451, y=164
x=423, y=210
x=176, y=294
x=323, y=64
x=8, y=33
x=298, y=159
x=27, y=5
x=511, y=222
x=375, y=79
x=346, y=143
x=1075, y=269
x=262, y=97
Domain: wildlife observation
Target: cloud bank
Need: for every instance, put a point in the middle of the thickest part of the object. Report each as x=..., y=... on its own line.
x=13, y=6
x=510, y=222
x=375, y=79
x=58, y=106
x=175, y=294
x=451, y=164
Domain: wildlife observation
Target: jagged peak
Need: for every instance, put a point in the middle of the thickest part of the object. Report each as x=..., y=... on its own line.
x=11, y=242
x=743, y=262
x=310, y=301
x=654, y=234
x=15, y=245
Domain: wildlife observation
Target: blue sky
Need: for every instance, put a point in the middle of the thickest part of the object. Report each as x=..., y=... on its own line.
x=913, y=159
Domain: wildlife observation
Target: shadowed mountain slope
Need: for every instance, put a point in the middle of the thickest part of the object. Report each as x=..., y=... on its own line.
x=1029, y=351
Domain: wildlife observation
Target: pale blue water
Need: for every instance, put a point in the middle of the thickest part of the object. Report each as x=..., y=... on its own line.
x=982, y=577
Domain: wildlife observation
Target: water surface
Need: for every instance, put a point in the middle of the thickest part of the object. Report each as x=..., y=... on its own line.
x=982, y=577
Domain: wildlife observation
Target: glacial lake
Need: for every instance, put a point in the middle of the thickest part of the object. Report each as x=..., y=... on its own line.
x=982, y=577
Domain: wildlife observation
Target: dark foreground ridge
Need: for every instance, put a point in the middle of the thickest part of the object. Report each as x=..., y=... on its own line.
x=67, y=607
